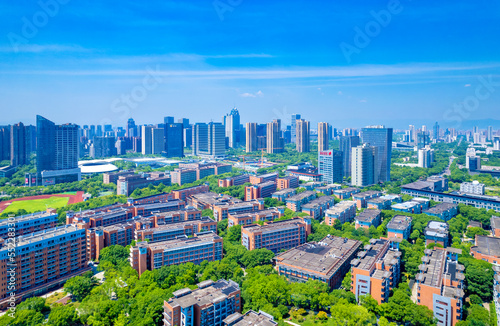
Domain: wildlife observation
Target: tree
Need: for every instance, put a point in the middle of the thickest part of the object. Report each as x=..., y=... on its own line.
x=346, y=282
x=368, y=302
x=116, y=255
x=475, y=299
x=322, y=315
x=479, y=277
x=351, y=314
x=256, y=257
x=80, y=286
x=63, y=316
x=473, y=231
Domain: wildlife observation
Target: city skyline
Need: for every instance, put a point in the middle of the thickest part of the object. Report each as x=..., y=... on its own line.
x=80, y=74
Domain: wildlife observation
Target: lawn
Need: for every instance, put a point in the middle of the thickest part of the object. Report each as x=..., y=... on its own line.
x=37, y=205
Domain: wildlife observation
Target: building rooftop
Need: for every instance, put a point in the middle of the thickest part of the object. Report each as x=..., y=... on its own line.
x=270, y=227
x=418, y=185
x=319, y=201
x=495, y=222
x=368, y=193
x=346, y=190
x=237, y=204
x=264, y=184
x=46, y=234
x=177, y=225
x=181, y=242
x=405, y=205
x=441, y=208
x=487, y=245
x=436, y=229
x=368, y=215
x=301, y=196
x=284, y=191
x=399, y=222
x=260, y=212
x=377, y=250
x=323, y=258
x=212, y=198
x=209, y=293
x=340, y=207
x=250, y=318
x=28, y=217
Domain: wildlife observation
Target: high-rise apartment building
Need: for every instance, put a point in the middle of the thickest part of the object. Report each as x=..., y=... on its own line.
x=4, y=143
x=381, y=138
x=303, y=136
x=346, y=145
x=293, y=129
x=275, y=143
x=364, y=165
x=174, y=143
x=147, y=140
x=323, y=136
x=131, y=128
x=489, y=133
x=103, y=147
x=158, y=140
x=57, y=152
x=435, y=131
x=232, y=128
x=19, y=141
x=425, y=157
x=251, y=137
x=209, y=139
x=330, y=166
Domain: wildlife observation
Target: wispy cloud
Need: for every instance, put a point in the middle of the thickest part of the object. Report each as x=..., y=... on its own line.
x=39, y=48
x=257, y=94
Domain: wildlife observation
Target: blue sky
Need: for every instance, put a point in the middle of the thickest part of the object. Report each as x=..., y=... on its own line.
x=91, y=63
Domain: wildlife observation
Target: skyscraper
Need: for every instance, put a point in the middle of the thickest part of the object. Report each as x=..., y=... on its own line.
x=131, y=128
x=436, y=131
x=184, y=121
x=103, y=147
x=275, y=143
x=346, y=145
x=293, y=129
x=232, y=128
x=489, y=133
x=381, y=138
x=19, y=153
x=209, y=139
x=174, y=143
x=4, y=143
x=147, y=140
x=303, y=135
x=168, y=120
x=251, y=137
x=57, y=152
x=330, y=166
x=323, y=136
x=364, y=171
x=158, y=140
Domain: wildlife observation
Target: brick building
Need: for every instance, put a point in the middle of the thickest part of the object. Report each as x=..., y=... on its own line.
x=444, y=211
x=367, y=218
x=30, y=223
x=223, y=210
x=437, y=232
x=344, y=211
x=234, y=181
x=486, y=248
x=295, y=202
x=345, y=193
x=362, y=197
x=283, y=194
x=269, y=214
x=260, y=190
x=316, y=208
x=399, y=227
x=287, y=182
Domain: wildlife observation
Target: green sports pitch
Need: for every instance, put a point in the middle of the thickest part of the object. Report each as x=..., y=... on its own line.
x=37, y=205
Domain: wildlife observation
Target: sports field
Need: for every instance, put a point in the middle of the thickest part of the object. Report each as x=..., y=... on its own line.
x=40, y=203
x=37, y=205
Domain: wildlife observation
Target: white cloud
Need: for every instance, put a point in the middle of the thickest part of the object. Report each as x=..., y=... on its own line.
x=39, y=48
x=467, y=85
x=258, y=94
x=363, y=101
x=339, y=92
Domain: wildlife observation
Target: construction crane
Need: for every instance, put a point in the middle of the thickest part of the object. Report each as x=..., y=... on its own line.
x=261, y=162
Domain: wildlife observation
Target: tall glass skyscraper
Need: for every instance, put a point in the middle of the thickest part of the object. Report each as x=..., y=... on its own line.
x=346, y=145
x=293, y=130
x=174, y=140
x=232, y=127
x=381, y=138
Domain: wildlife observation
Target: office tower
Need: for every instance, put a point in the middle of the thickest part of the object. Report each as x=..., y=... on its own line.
x=287, y=135
x=330, y=166
x=293, y=127
x=331, y=132
x=475, y=130
x=323, y=136
x=346, y=145
x=19, y=154
x=131, y=128
x=251, y=138
x=98, y=131
x=425, y=157
x=489, y=134
x=30, y=139
x=232, y=128
x=435, y=132
x=92, y=131
x=147, y=140
x=302, y=135
x=364, y=165
x=120, y=147
x=412, y=134
x=243, y=135
x=57, y=152
x=496, y=143
x=174, y=143
x=188, y=136
x=4, y=143
x=184, y=121
x=381, y=138
x=423, y=139
x=476, y=138
x=168, y=120
x=103, y=147
x=158, y=140
x=275, y=143
x=209, y=139
x=137, y=145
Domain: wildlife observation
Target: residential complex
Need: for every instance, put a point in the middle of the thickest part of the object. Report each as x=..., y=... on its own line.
x=362, y=198
x=316, y=208
x=444, y=211
x=474, y=188
x=486, y=248
x=261, y=190
x=399, y=227
x=269, y=214
x=377, y=269
x=437, y=232
x=440, y=284
x=344, y=211
x=208, y=305
x=295, y=202
x=250, y=318
x=327, y=261
x=277, y=235
x=368, y=217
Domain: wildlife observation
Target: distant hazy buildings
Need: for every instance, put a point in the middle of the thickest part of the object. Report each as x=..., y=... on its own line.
x=103, y=147
x=293, y=129
x=19, y=145
x=57, y=152
x=364, y=165
x=381, y=138
x=303, y=136
x=425, y=157
x=323, y=136
x=147, y=140
x=346, y=145
x=209, y=139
